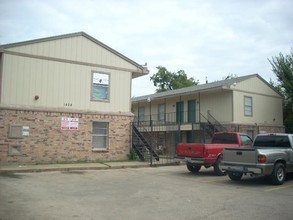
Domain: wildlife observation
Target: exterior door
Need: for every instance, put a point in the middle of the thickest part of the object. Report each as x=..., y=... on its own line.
x=179, y=112
x=191, y=111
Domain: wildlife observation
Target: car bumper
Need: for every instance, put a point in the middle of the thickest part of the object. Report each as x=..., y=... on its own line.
x=199, y=161
x=260, y=169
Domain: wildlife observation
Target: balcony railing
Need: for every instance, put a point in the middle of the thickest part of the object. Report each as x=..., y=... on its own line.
x=170, y=118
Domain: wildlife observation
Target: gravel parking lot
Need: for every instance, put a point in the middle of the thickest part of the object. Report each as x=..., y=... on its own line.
x=169, y=192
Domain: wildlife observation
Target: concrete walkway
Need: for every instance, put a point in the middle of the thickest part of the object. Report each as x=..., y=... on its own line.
x=15, y=168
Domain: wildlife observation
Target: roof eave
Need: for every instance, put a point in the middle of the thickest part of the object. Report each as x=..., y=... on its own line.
x=158, y=96
x=140, y=72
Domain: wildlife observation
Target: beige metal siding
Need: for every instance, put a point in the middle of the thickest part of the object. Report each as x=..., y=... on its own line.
x=267, y=103
x=266, y=109
x=76, y=48
x=59, y=85
x=219, y=104
x=256, y=85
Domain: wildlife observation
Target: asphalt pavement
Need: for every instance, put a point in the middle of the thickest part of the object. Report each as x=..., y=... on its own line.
x=161, y=193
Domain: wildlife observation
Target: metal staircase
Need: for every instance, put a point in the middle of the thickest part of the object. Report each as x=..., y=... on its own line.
x=217, y=125
x=141, y=146
x=211, y=126
x=208, y=128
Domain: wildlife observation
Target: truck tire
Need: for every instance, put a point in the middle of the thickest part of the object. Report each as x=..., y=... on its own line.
x=193, y=168
x=235, y=176
x=217, y=169
x=279, y=174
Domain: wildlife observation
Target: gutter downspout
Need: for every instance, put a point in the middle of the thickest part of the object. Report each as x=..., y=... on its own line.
x=199, y=107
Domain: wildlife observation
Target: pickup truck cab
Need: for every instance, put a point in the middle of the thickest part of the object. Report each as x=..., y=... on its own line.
x=271, y=155
x=197, y=154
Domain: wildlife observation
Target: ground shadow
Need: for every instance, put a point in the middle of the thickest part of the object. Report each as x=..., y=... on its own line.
x=254, y=181
x=73, y=172
x=202, y=172
x=11, y=175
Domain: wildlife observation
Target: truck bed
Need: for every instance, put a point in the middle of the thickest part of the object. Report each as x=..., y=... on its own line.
x=239, y=155
x=208, y=151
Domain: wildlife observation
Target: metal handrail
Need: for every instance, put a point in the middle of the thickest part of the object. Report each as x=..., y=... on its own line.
x=216, y=123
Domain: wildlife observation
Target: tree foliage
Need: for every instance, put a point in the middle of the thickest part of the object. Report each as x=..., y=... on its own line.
x=282, y=66
x=165, y=80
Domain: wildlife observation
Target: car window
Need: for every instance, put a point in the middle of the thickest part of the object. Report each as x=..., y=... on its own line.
x=272, y=141
x=225, y=138
x=246, y=140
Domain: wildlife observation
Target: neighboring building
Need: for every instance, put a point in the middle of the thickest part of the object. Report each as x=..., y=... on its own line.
x=246, y=104
x=65, y=98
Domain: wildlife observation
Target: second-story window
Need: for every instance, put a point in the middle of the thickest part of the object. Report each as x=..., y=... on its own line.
x=100, y=86
x=161, y=111
x=248, y=106
x=141, y=114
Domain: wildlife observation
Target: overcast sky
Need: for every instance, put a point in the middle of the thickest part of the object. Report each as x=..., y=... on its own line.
x=205, y=38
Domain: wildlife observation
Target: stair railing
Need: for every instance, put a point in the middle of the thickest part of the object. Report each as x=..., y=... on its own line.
x=143, y=143
x=216, y=123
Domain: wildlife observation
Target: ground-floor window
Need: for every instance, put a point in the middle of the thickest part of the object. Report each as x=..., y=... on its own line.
x=100, y=135
x=250, y=133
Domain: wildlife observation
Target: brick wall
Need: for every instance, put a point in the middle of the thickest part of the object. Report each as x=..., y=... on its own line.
x=256, y=128
x=47, y=142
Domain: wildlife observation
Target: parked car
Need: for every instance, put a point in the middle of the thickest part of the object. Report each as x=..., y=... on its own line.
x=271, y=155
x=197, y=154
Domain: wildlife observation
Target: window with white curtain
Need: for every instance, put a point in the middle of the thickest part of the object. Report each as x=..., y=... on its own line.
x=100, y=135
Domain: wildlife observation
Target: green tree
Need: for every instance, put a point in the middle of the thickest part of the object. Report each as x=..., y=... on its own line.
x=166, y=80
x=282, y=66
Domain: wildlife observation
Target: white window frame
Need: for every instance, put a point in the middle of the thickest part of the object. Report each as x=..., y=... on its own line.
x=248, y=106
x=141, y=114
x=161, y=112
x=102, y=80
x=100, y=136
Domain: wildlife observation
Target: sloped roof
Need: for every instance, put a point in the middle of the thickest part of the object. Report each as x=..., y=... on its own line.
x=199, y=88
x=144, y=70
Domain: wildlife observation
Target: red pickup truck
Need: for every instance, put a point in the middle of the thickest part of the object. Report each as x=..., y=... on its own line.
x=196, y=155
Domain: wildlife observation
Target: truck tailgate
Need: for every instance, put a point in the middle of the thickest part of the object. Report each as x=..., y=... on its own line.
x=190, y=150
x=239, y=155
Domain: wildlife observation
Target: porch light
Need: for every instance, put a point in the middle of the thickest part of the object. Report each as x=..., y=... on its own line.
x=149, y=101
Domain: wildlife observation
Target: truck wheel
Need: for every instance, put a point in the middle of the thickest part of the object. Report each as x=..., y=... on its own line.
x=235, y=176
x=217, y=169
x=279, y=174
x=193, y=168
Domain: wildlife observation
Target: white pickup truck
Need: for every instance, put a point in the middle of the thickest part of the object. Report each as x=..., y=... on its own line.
x=271, y=155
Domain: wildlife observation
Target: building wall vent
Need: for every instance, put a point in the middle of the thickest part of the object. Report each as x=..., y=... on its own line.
x=14, y=150
x=15, y=131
